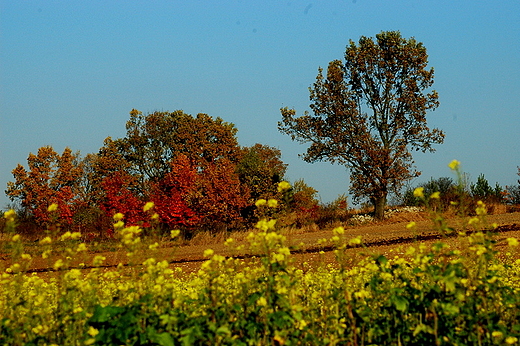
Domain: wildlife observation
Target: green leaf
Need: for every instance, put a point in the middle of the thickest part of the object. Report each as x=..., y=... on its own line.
x=163, y=339
x=400, y=303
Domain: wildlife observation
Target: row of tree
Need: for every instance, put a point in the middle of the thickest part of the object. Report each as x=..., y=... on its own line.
x=369, y=113
x=191, y=167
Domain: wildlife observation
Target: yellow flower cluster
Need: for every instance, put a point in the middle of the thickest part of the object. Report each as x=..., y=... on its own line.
x=366, y=297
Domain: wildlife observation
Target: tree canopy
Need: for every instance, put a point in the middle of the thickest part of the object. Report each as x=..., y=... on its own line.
x=50, y=178
x=190, y=167
x=369, y=112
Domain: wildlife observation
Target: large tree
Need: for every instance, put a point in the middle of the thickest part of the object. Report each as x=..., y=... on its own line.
x=369, y=112
x=261, y=169
x=50, y=178
x=162, y=148
x=152, y=141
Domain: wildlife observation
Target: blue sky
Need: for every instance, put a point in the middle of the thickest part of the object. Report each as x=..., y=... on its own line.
x=71, y=71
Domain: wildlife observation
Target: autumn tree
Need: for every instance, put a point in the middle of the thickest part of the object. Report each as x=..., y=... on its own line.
x=261, y=169
x=152, y=146
x=219, y=197
x=50, y=178
x=369, y=112
x=170, y=194
x=152, y=141
x=120, y=196
x=97, y=167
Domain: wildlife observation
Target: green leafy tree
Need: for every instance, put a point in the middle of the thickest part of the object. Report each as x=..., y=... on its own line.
x=481, y=189
x=369, y=111
x=446, y=186
x=261, y=169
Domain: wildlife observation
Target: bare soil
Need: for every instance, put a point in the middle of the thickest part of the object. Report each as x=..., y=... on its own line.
x=384, y=238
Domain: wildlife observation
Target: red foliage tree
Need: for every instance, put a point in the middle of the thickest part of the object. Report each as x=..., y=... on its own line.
x=170, y=193
x=119, y=198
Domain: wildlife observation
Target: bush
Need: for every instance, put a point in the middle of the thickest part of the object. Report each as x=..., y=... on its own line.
x=446, y=186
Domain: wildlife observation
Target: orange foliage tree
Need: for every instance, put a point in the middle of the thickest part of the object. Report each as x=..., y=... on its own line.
x=219, y=197
x=50, y=178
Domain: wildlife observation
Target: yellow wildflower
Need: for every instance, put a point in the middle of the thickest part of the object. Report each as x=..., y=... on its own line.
x=261, y=301
x=497, y=334
x=512, y=241
x=75, y=235
x=10, y=214
x=265, y=225
x=260, y=202
x=272, y=203
x=174, y=233
x=46, y=240
x=411, y=225
x=119, y=224
x=473, y=220
x=148, y=206
x=92, y=331
x=511, y=340
x=98, y=260
x=282, y=186
x=435, y=195
x=118, y=217
x=65, y=236
x=481, y=208
x=208, y=252
x=419, y=192
x=301, y=324
x=355, y=241
x=81, y=247
x=16, y=238
x=26, y=256
x=338, y=230
x=454, y=165
x=52, y=207
x=58, y=264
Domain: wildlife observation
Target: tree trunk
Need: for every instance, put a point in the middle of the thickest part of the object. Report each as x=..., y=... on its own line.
x=379, y=207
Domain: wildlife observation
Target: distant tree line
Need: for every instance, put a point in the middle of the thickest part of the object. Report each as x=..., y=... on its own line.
x=450, y=191
x=368, y=114
x=190, y=167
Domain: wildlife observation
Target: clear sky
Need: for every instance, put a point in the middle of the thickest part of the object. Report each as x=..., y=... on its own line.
x=71, y=71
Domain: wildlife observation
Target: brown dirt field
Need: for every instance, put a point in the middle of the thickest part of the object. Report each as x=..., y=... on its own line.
x=383, y=238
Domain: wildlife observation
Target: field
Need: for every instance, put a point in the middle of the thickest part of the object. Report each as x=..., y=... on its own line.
x=407, y=281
